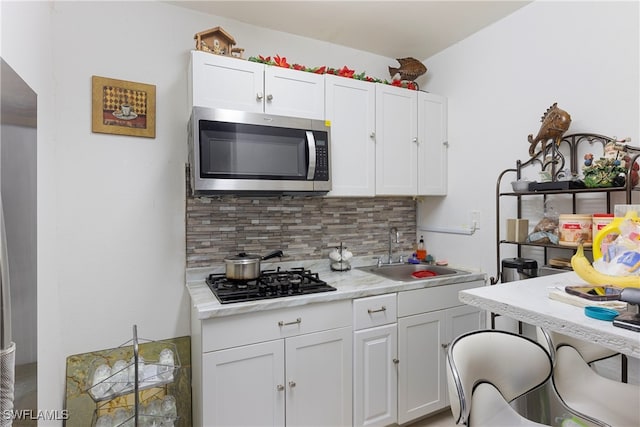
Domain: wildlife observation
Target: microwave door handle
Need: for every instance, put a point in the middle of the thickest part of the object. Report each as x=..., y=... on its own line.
x=311, y=142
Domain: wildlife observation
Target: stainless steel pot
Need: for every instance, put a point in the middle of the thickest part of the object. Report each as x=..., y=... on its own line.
x=246, y=266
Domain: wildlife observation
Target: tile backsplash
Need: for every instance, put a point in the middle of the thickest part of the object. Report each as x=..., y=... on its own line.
x=302, y=227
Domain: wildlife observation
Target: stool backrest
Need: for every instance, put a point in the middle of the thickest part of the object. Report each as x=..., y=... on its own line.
x=590, y=352
x=512, y=363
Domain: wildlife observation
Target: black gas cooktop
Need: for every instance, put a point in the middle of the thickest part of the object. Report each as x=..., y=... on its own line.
x=270, y=284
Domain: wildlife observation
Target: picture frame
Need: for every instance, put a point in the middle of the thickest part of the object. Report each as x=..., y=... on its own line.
x=122, y=107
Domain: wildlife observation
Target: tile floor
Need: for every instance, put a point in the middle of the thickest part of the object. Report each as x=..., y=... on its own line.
x=26, y=390
x=441, y=419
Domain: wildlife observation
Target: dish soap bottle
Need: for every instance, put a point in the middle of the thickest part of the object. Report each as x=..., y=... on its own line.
x=422, y=250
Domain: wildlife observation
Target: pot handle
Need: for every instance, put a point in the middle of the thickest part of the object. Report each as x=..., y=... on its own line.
x=273, y=254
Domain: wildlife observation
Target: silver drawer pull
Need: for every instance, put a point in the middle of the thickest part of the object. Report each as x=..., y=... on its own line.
x=383, y=308
x=445, y=346
x=292, y=384
x=396, y=361
x=295, y=322
x=279, y=387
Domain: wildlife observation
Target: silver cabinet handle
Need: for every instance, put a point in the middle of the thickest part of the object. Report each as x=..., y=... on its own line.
x=279, y=387
x=259, y=96
x=269, y=97
x=395, y=361
x=295, y=322
x=383, y=308
x=372, y=135
x=292, y=383
x=415, y=141
x=446, y=143
x=445, y=346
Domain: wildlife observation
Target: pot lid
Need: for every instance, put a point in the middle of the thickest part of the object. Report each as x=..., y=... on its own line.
x=243, y=258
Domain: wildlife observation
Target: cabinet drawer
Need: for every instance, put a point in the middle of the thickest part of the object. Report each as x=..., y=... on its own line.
x=374, y=311
x=232, y=331
x=428, y=299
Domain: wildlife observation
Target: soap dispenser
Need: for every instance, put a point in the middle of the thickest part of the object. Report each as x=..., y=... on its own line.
x=422, y=250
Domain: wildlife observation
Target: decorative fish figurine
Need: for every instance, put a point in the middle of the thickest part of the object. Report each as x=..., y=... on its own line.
x=555, y=123
x=410, y=69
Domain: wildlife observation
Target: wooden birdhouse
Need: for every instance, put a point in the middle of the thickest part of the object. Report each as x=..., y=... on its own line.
x=217, y=40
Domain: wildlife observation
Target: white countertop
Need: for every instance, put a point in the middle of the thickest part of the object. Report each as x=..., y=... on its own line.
x=349, y=284
x=528, y=301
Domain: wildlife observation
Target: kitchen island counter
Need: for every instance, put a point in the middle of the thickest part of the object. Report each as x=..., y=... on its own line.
x=349, y=285
x=528, y=301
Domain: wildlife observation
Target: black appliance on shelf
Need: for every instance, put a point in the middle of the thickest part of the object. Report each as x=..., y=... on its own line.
x=270, y=284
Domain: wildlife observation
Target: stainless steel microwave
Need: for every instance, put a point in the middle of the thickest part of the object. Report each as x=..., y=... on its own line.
x=239, y=152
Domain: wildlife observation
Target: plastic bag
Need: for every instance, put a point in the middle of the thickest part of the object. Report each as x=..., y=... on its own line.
x=622, y=256
x=546, y=230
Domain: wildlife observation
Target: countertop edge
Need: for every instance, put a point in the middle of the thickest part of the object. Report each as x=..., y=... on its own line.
x=349, y=285
x=507, y=299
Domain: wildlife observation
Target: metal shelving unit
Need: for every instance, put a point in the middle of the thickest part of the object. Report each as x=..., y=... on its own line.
x=556, y=160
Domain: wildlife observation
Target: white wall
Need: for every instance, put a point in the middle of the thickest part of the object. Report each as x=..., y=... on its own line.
x=583, y=55
x=111, y=208
x=111, y=238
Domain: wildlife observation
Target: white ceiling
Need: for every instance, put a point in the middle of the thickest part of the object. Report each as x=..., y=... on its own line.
x=394, y=29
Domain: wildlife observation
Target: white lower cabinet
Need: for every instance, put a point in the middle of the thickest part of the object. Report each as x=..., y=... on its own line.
x=421, y=388
x=232, y=378
x=287, y=367
x=373, y=361
x=375, y=375
x=428, y=320
x=318, y=378
x=400, y=348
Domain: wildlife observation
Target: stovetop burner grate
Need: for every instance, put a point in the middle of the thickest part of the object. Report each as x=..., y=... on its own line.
x=271, y=284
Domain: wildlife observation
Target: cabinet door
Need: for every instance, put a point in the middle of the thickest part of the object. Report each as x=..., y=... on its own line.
x=462, y=319
x=459, y=320
x=318, y=378
x=432, y=144
x=350, y=107
x=375, y=386
x=224, y=82
x=244, y=386
x=294, y=93
x=421, y=380
x=396, y=141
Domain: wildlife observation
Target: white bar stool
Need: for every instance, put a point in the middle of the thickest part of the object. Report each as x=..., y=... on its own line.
x=488, y=369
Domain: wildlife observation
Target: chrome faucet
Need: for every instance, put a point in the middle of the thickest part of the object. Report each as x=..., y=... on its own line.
x=392, y=231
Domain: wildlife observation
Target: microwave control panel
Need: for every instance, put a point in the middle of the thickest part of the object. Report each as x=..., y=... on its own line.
x=322, y=161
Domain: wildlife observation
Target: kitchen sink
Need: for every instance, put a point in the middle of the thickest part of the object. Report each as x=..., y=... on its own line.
x=405, y=272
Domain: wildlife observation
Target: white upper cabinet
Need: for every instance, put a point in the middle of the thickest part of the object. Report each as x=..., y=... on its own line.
x=293, y=93
x=432, y=144
x=350, y=108
x=225, y=82
x=396, y=141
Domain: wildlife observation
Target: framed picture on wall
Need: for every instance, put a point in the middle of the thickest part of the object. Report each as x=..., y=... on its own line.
x=123, y=108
